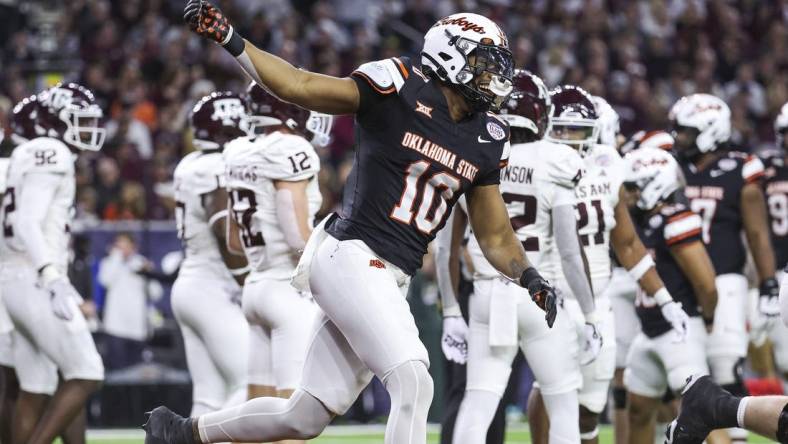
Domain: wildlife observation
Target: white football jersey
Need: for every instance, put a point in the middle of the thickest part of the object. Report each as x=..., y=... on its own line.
x=529, y=185
x=253, y=164
x=198, y=174
x=47, y=156
x=597, y=197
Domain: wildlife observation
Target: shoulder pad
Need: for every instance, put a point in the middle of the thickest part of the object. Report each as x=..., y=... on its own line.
x=565, y=167
x=200, y=173
x=289, y=157
x=47, y=155
x=384, y=76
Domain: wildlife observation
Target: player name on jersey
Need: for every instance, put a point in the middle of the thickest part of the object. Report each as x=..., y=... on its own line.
x=517, y=174
x=439, y=154
x=593, y=190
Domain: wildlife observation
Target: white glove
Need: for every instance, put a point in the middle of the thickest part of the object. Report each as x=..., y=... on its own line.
x=673, y=313
x=62, y=293
x=592, y=343
x=454, y=342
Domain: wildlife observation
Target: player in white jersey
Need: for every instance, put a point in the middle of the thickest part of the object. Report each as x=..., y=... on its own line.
x=538, y=187
x=50, y=331
x=205, y=295
x=603, y=223
x=274, y=195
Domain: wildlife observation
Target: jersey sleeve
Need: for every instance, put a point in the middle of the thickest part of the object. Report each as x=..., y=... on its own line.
x=493, y=176
x=379, y=79
x=753, y=169
x=566, y=169
x=49, y=157
x=682, y=227
x=289, y=158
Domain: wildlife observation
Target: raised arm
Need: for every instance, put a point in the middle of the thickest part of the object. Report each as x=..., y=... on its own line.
x=318, y=92
x=492, y=228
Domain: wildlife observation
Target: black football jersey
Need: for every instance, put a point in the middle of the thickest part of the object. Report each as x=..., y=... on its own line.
x=674, y=225
x=412, y=162
x=714, y=193
x=776, y=188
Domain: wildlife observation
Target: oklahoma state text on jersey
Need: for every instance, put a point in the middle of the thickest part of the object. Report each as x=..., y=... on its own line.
x=413, y=162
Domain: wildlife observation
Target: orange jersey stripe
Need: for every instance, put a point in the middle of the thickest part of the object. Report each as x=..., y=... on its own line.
x=401, y=67
x=681, y=237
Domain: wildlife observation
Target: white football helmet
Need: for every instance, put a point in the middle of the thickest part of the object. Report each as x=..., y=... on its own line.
x=608, y=122
x=781, y=126
x=708, y=115
x=447, y=48
x=655, y=173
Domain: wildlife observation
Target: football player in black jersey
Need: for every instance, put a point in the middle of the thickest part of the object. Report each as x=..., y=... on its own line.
x=776, y=188
x=657, y=360
x=723, y=188
x=426, y=137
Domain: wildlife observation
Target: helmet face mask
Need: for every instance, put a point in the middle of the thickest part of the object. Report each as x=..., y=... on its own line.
x=470, y=52
x=573, y=120
x=528, y=108
x=69, y=112
x=685, y=138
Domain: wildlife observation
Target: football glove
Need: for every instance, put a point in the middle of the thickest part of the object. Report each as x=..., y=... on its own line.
x=454, y=341
x=65, y=299
x=592, y=343
x=769, y=300
x=542, y=293
x=206, y=20
x=677, y=317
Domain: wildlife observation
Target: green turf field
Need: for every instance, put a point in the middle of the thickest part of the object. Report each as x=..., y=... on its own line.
x=351, y=435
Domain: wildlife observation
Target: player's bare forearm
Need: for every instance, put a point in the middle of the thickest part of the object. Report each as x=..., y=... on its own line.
x=318, y=92
x=696, y=264
x=448, y=243
x=491, y=226
x=630, y=250
x=215, y=205
x=233, y=240
x=292, y=211
x=753, y=206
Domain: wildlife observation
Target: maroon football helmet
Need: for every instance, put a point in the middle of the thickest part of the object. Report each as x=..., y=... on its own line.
x=574, y=118
x=217, y=119
x=266, y=110
x=24, y=126
x=69, y=112
x=529, y=106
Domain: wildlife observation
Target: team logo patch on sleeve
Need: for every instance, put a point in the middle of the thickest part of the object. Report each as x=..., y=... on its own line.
x=496, y=131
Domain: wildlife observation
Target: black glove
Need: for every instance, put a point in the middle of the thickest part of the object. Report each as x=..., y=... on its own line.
x=208, y=21
x=541, y=292
x=769, y=301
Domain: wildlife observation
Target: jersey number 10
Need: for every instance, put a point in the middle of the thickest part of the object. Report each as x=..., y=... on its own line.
x=430, y=212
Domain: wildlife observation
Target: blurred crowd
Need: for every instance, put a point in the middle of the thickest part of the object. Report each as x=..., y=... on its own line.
x=147, y=70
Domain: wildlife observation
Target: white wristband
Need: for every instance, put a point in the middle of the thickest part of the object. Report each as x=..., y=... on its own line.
x=641, y=268
x=662, y=296
x=221, y=214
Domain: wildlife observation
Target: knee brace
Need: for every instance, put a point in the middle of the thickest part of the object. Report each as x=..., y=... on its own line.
x=619, y=398
x=782, y=426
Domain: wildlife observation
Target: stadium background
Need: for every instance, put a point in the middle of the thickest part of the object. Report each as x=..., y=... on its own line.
x=147, y=71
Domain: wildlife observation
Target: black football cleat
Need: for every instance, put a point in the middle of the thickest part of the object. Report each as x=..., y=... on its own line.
x=163, y=426
x=704, y=404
